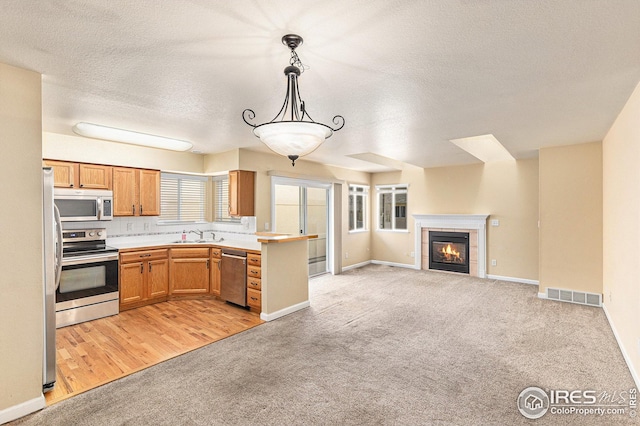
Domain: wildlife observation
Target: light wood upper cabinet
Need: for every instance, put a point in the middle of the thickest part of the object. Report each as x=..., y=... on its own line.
x=149, y=192
x=124, y=191
x=67, y=174
x=241, y=193
x=136, y=192
x=94, y=176
x=64, y=173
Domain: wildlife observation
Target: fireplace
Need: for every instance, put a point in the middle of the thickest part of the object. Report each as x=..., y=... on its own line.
x=449, y=251
x=473, y=224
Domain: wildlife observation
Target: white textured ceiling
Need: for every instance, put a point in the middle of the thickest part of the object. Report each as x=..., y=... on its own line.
x=408, y=76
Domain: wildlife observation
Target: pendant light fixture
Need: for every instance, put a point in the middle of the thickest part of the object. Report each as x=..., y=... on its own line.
x=292, y=132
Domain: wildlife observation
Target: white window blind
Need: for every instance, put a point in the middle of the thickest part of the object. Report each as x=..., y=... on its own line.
x=221, y=200
x=182, y=197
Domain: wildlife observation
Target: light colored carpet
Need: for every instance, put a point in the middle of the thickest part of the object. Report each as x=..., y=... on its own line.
x=379, y=345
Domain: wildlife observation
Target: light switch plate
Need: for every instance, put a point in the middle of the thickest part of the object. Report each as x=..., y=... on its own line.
x=495, y=222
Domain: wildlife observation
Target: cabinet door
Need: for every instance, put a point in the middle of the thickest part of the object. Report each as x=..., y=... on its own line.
x=95, y=177
x=233, y=192
x=65, y=174
x=131, y=283
x=190, y=276
x=241, y=193
x=215, y=276
x=149, y=193
x=124, y=191
x=158, y=277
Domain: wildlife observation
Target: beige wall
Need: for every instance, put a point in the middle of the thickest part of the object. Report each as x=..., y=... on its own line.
x=621, y=229
x=77, y=148
x=507, y=191
x=357, y=245
x=21, y=285
x=223, y=161
x=571, y=217
x=285, y=275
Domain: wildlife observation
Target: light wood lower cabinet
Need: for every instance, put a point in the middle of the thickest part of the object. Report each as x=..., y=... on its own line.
x=190, y=271
x=156, y=275
x=144, y=278
x=216, y=257
x=254, y=283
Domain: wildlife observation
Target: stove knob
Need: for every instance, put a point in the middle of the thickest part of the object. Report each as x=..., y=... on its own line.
x=92, y=234
x=100, y=233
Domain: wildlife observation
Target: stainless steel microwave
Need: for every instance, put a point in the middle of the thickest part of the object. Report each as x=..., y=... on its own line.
x=81, y=205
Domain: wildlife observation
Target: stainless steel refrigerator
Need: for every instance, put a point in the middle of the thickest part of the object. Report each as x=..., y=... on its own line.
x=52, y=257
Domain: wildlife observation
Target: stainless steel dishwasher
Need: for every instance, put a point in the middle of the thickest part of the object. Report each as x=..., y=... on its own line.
x=233, y=276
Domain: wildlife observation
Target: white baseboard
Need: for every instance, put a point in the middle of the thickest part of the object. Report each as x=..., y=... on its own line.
x=15, y=412
x=356, y=266
x=513, y=279
x=625, y=354
x=286, y=311
x=398, y=265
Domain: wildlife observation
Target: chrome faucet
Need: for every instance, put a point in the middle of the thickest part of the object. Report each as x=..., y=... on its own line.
x=199, y=232
x=213, y=235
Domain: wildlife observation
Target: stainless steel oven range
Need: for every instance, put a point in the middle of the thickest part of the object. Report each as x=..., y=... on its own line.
x=89, y=279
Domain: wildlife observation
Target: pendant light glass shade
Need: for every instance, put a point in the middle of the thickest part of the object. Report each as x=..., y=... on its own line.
x=293, y=137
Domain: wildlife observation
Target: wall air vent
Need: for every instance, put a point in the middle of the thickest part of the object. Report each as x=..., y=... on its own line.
x=571, y=296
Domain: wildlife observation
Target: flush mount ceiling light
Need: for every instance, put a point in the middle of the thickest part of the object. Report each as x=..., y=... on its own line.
x=292, y=132
x=127, y=136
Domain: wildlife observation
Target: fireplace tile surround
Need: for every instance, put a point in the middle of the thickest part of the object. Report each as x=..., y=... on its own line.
x=475, y=225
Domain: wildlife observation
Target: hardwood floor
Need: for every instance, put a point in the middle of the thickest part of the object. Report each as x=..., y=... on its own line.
x=100, y=351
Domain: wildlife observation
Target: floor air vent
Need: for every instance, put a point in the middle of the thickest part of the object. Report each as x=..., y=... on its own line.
x=571, y=296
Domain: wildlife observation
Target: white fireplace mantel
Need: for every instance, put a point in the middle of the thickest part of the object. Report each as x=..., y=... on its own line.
x=453, y=221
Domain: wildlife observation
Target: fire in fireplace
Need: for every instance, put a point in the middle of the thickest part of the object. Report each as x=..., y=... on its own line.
x=449, y=251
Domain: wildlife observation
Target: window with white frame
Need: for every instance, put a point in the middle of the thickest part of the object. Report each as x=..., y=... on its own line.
x=392, y=207
x=221, y=200
x=182, y=197
x=358, y=207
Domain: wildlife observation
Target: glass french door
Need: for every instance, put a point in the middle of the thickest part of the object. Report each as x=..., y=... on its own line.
x=302, y=207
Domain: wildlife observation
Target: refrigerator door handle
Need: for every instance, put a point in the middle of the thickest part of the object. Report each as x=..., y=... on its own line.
x=58, y=225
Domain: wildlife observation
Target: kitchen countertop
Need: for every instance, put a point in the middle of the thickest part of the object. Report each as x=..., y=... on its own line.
x=267, y=237
x=144, y=243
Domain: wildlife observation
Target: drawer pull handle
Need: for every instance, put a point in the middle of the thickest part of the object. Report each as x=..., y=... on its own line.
x=254, y=298
x=146, y=255
x=254, y=272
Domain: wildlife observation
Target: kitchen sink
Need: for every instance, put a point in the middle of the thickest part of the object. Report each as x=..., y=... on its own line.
x=197, y=241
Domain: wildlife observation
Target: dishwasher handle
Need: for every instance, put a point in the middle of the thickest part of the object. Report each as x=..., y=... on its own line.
x=244, y=258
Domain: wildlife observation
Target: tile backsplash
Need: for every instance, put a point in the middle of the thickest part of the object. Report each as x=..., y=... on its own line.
x=149, y=226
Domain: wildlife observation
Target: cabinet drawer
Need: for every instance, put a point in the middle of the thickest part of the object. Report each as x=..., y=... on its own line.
x=137, y=256
x=254, y=283
x=177, y=253
x=254, y=298
x=253, y=259
x=216, y=252
x=253, y=272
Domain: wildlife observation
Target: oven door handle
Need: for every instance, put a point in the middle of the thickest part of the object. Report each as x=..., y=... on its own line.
x=81, y=260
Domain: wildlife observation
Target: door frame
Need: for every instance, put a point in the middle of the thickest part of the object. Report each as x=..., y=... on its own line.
x=280, y=180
